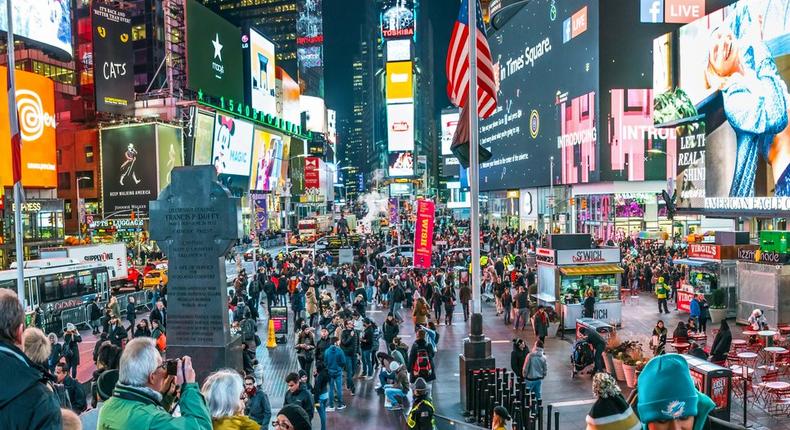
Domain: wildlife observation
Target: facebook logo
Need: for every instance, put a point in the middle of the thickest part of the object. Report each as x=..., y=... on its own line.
x=566, y=31
x=652, y=11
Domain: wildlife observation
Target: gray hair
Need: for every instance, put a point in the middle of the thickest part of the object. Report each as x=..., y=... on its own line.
x=139, y=360
x=222, y=391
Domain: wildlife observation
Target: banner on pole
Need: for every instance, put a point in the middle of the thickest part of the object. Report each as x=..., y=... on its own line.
x=423, y=234
x=393, y=211
x=260, y=215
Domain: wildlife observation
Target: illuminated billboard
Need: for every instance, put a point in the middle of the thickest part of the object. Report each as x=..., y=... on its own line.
x=309, y=49
x=397, y=19
x=203, y=138
x=398, y=50
x=400, y=82
x=267, y=160
x=548, y=80
x=287, y=97
x=401, y=163
x=316, y=111
x=730, y=106
x=232, y=152
x=43, y=22
x=214, y=56
x=400, y=127
x=449, y=124
x=130, y=173
x=35, y=102
x=261, y=69
x=170, y=149
x=113, y=58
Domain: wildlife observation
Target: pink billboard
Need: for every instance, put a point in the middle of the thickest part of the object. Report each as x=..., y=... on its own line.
x=423, y=234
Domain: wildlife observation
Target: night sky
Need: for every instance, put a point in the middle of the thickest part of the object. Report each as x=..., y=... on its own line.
x=342, y=21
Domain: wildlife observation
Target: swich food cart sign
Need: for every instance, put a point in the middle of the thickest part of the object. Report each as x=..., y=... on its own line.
x=587, y=256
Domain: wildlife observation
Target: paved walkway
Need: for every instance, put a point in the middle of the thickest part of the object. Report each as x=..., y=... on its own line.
x=572, y=397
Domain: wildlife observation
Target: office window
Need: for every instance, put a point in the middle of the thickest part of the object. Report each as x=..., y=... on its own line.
x=89, y=153
x=88, y=181
x=64, y=181
x=59, y=156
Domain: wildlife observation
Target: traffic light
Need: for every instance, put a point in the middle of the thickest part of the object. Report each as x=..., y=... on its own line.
x=573, y=201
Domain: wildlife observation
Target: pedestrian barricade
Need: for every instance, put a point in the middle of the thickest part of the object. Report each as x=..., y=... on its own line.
x=77, y=316
x=491, y=387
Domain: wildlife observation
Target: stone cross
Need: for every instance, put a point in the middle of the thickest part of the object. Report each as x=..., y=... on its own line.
x=195, y=222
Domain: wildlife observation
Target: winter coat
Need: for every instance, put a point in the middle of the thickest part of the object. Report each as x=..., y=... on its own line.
x=535, y=366
x=721, y=345
x=259, y=409
x=131, y=312
x=72, y=341
x=389, y=330
x=694, y=309
x=418, y=345
x=540, y=323
x=25, y=392
x=349, y=342
x=335, y=360
x=302, y=397
x=311, y=302
x=421, y=313
x=116, y=334
x=76, y=394
x=517, y=358
x=134, y=408
x=236, y=422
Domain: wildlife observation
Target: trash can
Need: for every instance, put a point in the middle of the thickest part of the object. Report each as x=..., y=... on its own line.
x=604, y=329
x=714, y=381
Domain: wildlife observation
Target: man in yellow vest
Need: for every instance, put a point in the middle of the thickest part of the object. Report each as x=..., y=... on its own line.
x=662, y=291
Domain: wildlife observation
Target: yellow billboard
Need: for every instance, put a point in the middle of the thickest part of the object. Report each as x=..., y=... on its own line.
x=400, y=82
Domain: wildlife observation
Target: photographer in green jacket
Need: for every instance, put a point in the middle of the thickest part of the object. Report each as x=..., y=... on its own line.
x=138, y=401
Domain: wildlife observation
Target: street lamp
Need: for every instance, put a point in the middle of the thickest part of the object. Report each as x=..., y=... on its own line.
x=79, y=206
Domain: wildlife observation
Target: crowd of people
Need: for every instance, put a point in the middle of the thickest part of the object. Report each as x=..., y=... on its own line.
x=336, y=338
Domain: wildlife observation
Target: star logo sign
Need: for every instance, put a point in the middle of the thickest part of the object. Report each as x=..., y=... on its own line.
x=217, y=47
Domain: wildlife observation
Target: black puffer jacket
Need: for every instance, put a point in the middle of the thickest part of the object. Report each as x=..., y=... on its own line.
x=517, y=358
x=26, y=402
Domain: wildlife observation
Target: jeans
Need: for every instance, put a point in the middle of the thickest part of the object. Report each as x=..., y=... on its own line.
x=394, y=394
x=522, y=317
x=383, y=376
x=369, y=293
x=335, y=389
x=322, y=402
x=396, y=307
x=307, y=366
x=535, y=387
x=508, y=312
x=367, y=362
x=465, y=305
x=351, y=370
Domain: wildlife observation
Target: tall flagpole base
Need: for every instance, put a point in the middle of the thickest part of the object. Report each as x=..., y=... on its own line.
x=476, y=356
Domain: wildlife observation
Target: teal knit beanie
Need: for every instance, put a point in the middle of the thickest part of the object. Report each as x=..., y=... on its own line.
x=666, y=391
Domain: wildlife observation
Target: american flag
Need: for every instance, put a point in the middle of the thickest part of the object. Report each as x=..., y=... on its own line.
x=457, y=66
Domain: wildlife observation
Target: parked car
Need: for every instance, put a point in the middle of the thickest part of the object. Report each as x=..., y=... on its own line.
x=402, y=250
x=152, y=278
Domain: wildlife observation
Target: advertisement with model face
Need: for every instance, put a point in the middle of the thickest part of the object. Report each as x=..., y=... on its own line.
x=401, y=163
x=732, y=103
x=232, y=152
x=129, y=169
x=267, y=159
x=35, y=102
x=113, y=59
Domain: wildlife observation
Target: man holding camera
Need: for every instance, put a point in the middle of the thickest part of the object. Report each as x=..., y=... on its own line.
x=145, y=393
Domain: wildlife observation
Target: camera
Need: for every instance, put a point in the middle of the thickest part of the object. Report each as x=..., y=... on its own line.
x=172, y=367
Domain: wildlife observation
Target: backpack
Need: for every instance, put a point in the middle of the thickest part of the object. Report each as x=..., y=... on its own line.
x=161, y=343
x=422, y=365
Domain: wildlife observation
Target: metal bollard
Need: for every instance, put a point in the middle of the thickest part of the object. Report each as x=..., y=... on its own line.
x=518, y=419
x=484, y=406
x=556, y=420
x=540, y=414
x=548, y=417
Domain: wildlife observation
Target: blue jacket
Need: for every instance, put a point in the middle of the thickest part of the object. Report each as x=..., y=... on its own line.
x=694, y=310
x=335, y=360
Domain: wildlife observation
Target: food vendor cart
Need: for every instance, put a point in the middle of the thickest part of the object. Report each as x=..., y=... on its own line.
x=707, y=268
x=764, y=283
x=565, y=275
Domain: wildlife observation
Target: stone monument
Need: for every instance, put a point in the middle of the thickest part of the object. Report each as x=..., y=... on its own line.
x=195, y=222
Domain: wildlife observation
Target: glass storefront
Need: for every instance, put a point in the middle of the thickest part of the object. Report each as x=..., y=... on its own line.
x=42, y=226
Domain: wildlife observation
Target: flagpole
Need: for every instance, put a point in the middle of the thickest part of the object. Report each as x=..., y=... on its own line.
x=474, y=168
x=14, y=122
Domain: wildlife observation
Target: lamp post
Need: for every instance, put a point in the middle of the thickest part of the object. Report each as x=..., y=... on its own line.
x=79, y=207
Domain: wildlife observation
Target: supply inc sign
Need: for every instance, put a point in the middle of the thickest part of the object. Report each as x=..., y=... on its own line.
x=35, y=103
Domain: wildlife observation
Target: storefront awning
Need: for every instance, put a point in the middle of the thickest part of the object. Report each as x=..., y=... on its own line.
x=602, y=269
x=693, y=262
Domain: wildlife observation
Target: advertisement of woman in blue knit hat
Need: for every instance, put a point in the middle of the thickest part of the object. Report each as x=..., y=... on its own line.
x=728, y=82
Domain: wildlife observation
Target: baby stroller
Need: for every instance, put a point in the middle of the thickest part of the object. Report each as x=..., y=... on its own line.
x=581, y=357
